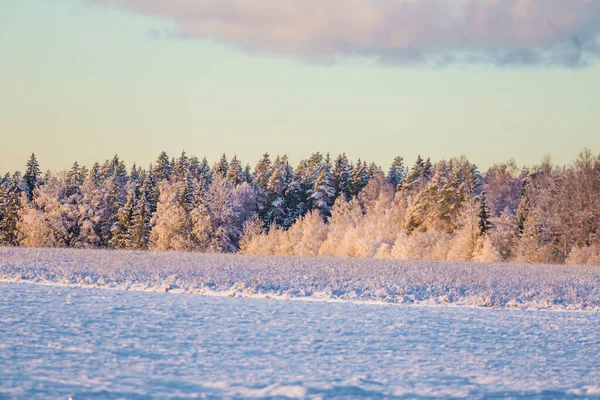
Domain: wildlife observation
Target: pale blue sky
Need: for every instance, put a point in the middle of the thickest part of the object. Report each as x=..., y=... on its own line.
x=82, y=82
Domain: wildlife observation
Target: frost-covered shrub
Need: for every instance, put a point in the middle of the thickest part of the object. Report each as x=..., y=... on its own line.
x=430, y=245
x=584, y=256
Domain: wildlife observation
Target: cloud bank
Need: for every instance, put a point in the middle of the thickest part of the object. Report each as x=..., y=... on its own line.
x=501, y=32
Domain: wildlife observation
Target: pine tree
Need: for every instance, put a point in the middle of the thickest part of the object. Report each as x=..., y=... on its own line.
x=32, y=175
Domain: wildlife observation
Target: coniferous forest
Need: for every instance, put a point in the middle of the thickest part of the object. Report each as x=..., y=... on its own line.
x=448, y=210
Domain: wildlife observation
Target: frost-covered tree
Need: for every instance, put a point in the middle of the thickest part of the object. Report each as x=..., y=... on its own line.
x=50, y=219
x=219, y=201
x=171, y=222
x=253, y=228
x=10, y=194
x=314, y=233
x=346, y=217
x=446, y=210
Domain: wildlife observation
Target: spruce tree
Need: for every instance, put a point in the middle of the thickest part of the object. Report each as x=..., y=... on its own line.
x=162, y=168
x=262, y=173
x=182, y=166
x=134, y=174
x=340, y=179
x=139, y=230
x=235, y=172
x=261, y=177
x=397, y=173
x=484, y=215
x=194, y=167
x=358, y=178
x=32, y=175
x=416, y=175
x=121, y=230
x=274, y=195
x=247, y=174
x=205, y=175
x=323, y=195
x=221, y=166
x=373, y=170
x=10, y=193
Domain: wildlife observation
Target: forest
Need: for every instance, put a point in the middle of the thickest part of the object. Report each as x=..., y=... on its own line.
x=447, y=210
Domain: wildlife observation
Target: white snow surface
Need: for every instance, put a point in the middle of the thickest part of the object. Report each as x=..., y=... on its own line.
x=552, y=287
x=59, y=342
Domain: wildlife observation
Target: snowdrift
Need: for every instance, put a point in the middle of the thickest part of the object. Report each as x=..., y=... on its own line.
x=554, y=287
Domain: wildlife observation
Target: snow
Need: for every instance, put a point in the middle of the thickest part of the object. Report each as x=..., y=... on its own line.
x=61, y=342
x=552, y=287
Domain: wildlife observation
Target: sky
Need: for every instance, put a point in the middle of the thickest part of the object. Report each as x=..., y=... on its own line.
x=81, y=80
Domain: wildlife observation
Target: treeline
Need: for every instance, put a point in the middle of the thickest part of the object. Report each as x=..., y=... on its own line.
x=448, y=210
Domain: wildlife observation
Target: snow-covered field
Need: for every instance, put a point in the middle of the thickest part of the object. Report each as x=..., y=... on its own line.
x=59, y=342
x=356, y=280
x=60, y=337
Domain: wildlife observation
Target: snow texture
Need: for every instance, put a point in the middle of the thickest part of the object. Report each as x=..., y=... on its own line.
x=59, y=342
x=553, y=287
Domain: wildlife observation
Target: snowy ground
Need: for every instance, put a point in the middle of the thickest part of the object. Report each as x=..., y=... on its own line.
x=374, y=281
x=57, y=342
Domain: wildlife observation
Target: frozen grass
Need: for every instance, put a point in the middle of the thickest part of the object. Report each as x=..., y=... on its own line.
x=555, y=287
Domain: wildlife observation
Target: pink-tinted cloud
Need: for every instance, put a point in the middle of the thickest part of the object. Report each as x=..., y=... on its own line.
x=563, y=32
